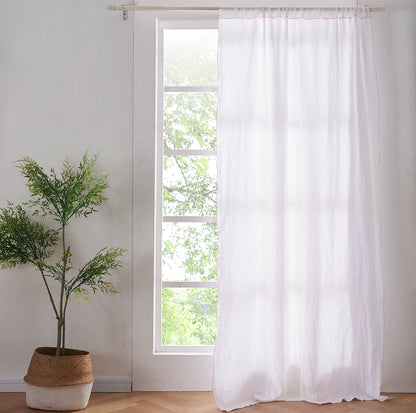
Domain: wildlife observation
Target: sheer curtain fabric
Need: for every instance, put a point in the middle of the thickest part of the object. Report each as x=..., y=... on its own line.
x=300, y=289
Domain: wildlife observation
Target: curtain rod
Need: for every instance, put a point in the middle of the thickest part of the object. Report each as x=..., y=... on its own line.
x=126, y=9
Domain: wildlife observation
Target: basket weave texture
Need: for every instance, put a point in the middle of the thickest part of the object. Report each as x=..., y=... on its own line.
x=48, y=370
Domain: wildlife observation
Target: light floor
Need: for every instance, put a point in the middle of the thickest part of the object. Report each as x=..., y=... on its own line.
x=203, y=402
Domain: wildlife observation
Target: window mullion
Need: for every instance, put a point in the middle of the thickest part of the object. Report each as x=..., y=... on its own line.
x=190, y=89
x=189, y=284
x=183, y=218
x=189, y=152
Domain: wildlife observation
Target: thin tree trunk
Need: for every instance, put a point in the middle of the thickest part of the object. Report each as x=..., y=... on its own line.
x=61, y=298
x=59, y=338
x=49, y=291
x=64, y=325
x=63, y=338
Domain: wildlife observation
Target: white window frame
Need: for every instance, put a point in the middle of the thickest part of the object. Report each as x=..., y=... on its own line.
x=204, y=22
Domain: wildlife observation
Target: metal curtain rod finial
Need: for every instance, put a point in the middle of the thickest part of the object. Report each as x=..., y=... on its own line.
x=126, y=9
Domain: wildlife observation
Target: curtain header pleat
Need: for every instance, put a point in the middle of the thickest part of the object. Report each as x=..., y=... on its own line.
x=307, y=13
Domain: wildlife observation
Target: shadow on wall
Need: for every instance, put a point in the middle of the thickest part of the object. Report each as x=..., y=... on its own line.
x=395, y=34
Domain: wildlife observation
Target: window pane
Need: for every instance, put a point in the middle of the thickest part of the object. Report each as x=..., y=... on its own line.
x=189, y=120
x=189, y=251
x=189, y=185
x=190, y=57
x=189, y=316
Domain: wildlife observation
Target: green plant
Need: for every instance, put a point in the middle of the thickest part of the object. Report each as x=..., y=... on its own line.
x=75, y=192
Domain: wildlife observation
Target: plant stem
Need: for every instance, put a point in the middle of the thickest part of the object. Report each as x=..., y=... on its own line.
x=49, y=292
x=61, y=298
x=64, y=325
x=63, y=337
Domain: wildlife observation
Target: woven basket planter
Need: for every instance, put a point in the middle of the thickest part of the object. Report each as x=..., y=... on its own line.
x=59, y=383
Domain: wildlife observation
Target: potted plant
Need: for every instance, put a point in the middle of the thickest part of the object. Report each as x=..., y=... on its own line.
x=58, y=378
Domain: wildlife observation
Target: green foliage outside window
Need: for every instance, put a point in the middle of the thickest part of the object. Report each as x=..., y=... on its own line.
x=189, y=250
x=190, y=120
x=189, y=316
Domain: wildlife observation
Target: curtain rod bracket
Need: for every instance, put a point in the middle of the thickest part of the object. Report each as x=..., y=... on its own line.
x=123, y=8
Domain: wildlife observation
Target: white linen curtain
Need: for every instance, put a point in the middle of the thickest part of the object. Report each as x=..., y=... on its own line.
x=300, y=288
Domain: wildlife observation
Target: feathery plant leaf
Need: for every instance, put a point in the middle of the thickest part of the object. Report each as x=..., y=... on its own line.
x=56, y=271
x=22, y=240
x=76, y=192
x=93, y=272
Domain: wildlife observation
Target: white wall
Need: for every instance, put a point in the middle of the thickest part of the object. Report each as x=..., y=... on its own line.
x=395, y=40
x=66, y=87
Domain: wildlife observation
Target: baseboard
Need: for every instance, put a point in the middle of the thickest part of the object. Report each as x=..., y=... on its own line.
x=410, y=388
x=112, y=385
x=101, y=385
x=12, y=385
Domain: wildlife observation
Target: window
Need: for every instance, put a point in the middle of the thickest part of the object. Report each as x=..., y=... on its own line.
x=186, y=232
